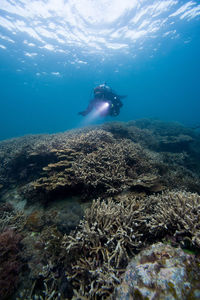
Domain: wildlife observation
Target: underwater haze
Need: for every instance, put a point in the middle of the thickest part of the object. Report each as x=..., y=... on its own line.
x=54, y=52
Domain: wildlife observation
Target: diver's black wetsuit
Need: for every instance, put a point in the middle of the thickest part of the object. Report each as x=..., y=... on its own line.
x=103, y=94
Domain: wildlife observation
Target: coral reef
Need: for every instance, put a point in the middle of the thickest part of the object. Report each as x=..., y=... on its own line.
x=113, y=231
x=47, y=279
x=175, y=144
x=102, y=160
x=176, y=214
x=121, y=130
x=142, y=177
x=165, y=136
x=161, y=128
x=100, y=248
x=147, y=183
x=90, y=260
x=93, y=164
x=112, y=168
x=23, y=158
x=9, y=218
x=59, y=176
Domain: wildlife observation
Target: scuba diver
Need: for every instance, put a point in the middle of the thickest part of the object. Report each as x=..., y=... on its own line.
x=105, y=102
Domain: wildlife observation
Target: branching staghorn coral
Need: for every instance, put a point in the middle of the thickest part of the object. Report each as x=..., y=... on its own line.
x=176, y=214
x=113, y=231
x=100, y=249
x=97, y=162
x=121, y=130
x=89, y=261
x=9, y=218
x=71, y=163
x=93, y=164
x=59, y=175
x=113, y=167
x=90, y=141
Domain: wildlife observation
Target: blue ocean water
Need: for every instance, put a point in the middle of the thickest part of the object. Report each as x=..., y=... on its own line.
x=54, y=52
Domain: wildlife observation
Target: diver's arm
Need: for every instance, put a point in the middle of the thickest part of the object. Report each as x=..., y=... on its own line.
x=88, y=109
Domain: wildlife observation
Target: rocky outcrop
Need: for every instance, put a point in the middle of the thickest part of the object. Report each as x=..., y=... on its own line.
x=161, y=272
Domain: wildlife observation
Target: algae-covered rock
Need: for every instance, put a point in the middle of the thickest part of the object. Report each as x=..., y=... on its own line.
x=161, y=272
